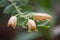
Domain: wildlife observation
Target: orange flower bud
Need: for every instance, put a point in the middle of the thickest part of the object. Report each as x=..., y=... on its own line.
x=41, y=17
x=31, y=25
x=12, y=22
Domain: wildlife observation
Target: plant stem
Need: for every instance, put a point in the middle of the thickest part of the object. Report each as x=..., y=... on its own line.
x=17, y=9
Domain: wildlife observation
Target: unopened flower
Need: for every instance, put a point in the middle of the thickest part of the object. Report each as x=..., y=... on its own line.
x=41, y=16
x=12, y=22
x=31, y=25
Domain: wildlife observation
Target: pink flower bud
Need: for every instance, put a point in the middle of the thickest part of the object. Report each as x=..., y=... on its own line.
x=12, y=22
x=31, y=25
x=41, y=16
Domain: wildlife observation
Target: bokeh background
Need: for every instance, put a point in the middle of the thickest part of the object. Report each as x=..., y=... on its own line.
x=50, y=6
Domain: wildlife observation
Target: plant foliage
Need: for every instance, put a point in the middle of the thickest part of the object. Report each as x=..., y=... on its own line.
x=24, y=8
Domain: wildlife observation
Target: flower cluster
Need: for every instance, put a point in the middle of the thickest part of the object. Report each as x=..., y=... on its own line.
x=31, y=22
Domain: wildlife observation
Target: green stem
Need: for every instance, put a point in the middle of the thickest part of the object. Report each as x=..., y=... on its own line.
x=17, y=9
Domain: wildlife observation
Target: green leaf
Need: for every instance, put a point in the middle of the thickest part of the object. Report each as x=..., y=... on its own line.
x=19, y=0
x=14, y=13
x=27, y=8
x=20, y=3
x=45, y=23
x=4, y=3
x=45, y=31
x=21, y=21
x=9, y=9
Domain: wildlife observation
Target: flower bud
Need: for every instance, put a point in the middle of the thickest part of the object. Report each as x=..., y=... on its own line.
x=12, y=22
x=31, y=25
x=41, y=17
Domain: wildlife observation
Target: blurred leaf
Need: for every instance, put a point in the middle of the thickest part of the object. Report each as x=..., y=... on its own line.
x=28, y=36
x=4, y=3
x=14, y=13
x=44, y=3
x=21, y=21
x=45, y=31
x=25, y=1
x=26, y=8
x=20, y=3
x=9, y=9
x=45, y=23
